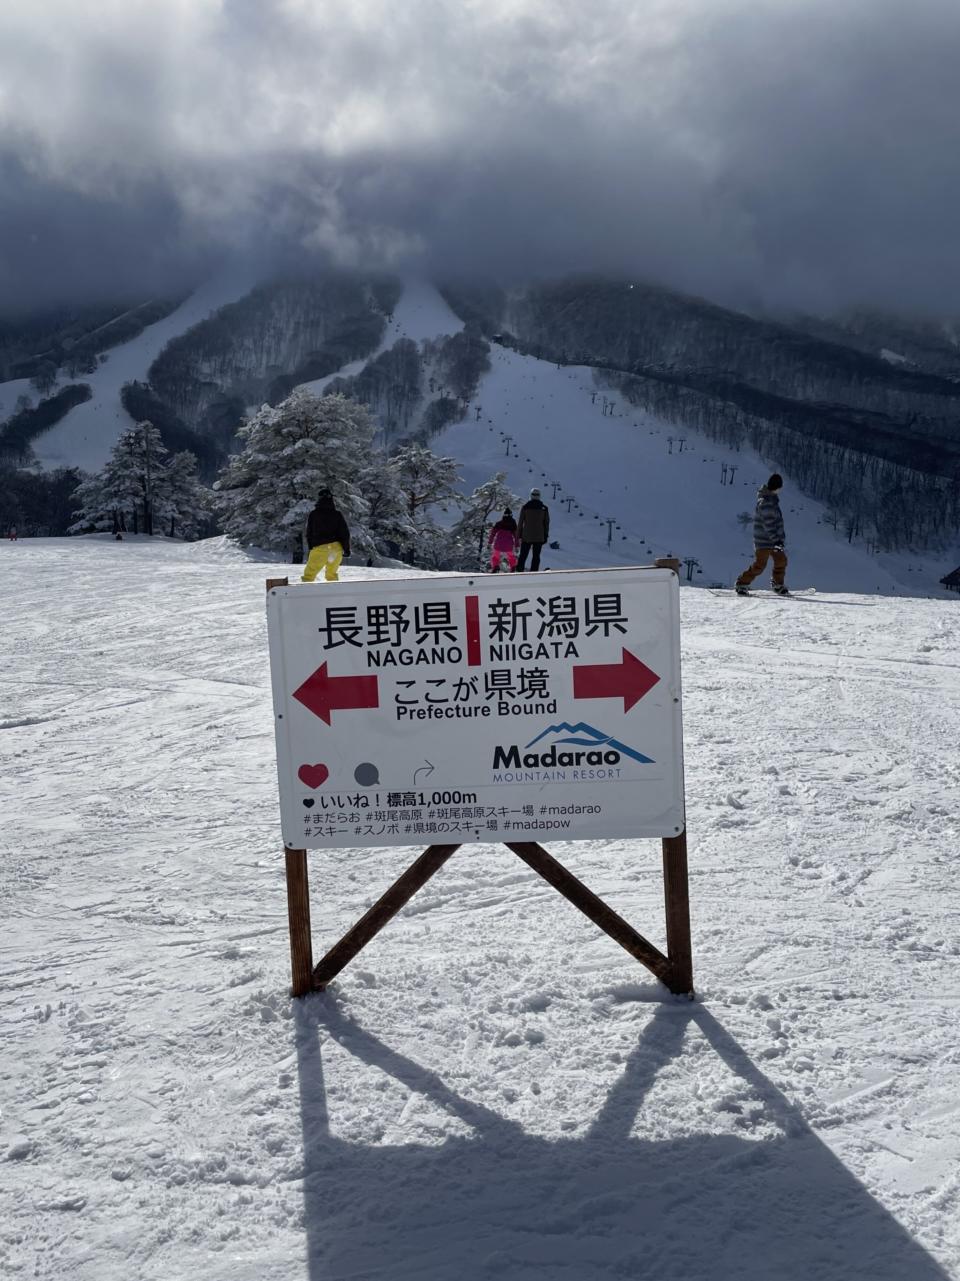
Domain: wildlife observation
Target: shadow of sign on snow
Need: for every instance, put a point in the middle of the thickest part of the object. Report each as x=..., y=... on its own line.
x=502, y=1203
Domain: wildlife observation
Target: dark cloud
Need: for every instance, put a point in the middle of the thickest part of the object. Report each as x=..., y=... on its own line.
x=61, y=244
x=762, y=152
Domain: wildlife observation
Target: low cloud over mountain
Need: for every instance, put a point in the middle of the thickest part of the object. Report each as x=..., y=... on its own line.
x=761, y=152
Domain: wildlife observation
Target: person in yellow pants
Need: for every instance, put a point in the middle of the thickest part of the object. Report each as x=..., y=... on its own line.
x=328, y=536
x=326, y=557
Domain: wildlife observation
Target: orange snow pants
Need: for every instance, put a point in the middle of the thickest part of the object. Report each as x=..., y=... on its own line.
x=760, y=559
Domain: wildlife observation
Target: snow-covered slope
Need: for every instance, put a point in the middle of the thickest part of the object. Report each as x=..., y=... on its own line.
x=493, y=1089
x=9, y=391
x=624, y=486
x=421, y=314
x=85, y=436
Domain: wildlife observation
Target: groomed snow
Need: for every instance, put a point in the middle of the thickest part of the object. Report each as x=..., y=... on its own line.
x=9, y=393
x=420, y=315
x=85, y=436
x=624, y=486
x=547, y=428
x=493, y=1088
x=621, y=486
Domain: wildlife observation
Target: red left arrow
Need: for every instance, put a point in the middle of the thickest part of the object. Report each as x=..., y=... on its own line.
x=628, y=680
x=323, y=694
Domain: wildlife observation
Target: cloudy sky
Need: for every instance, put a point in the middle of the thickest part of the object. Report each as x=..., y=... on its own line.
x=769, y=153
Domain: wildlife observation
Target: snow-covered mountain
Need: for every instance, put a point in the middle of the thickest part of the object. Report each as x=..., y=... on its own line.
x=493, y=1089
x=86, y=435
x=624, y=484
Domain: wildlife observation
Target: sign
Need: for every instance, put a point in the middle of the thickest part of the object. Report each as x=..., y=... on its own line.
x=483, y=708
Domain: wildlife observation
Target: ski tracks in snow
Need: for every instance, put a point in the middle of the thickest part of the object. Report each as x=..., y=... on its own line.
x=493, y=1088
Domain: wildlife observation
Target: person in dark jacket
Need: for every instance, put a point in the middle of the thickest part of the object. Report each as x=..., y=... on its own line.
x=768, y=539
x=328, y=538
x=533, y=530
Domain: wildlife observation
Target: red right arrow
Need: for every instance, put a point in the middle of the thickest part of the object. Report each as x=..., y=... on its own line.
x=628, y=680
x=323, y=694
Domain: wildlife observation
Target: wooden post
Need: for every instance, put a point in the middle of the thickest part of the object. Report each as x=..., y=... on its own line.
x=668, y=562
x=385, y=908
x=298, y=900
x=298, y=914
x=556, y=874
x=677, y=903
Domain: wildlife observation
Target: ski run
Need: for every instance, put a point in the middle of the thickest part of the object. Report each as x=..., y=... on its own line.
x=492, y=1089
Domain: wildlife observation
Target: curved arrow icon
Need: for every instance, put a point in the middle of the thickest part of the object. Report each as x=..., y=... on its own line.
x=629, y=680
x=323, y=694
x=424, y=769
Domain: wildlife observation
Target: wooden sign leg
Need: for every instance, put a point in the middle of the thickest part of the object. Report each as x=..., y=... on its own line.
x=676, y=895
x=298, y=913
x=555, y=874
x=386, y=907
x=298, y=900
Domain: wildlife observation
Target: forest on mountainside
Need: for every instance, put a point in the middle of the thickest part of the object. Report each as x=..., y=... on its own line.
x=36, y=346
x=418, y=390
x=259, y=348
x=886, y=498
x=37, y=504
x=29, y=421
x=930, y=346
x=209, y=449
x=879, y=443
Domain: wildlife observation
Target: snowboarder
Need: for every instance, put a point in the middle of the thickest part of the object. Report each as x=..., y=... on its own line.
x=13, y=533
x=328, y=538
x=503, y=541
x=768, y=539
x=533, y=530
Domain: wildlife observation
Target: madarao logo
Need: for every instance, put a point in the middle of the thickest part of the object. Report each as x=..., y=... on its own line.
x=570, y=746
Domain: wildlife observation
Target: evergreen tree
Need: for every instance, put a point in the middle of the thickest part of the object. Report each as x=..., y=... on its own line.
x=388, y=519
x=134, y=477
x=93, y=508
x=183, y=503
x=266, y=491
x=426, y=481
x=142, y=490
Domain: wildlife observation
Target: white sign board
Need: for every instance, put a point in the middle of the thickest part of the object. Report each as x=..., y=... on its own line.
x=484, y=708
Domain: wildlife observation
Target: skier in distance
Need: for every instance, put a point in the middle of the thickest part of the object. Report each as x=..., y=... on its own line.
x=768, y=539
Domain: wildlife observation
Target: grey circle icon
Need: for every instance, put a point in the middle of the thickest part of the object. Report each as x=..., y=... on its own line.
x=367, y=775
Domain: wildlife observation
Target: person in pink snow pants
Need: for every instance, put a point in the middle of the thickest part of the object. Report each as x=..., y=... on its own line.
x=503, y=541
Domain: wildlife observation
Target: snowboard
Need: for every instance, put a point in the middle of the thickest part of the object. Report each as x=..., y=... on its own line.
x=763, y=591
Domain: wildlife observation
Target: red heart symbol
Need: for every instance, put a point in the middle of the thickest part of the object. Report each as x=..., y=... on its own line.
x=313, y=775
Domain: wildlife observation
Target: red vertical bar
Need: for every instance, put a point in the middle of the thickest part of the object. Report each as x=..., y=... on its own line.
x=473, y=631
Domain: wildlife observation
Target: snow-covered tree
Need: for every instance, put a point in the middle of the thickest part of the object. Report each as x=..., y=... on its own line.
x=134, y=474
x=388, y=517
x=94, y=509
x=142, y=489
x=427, y=481
x=182, y=505
x=304, y=444
x=481, y=510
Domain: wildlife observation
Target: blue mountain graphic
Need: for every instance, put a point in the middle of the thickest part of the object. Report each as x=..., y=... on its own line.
x=594, y=738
